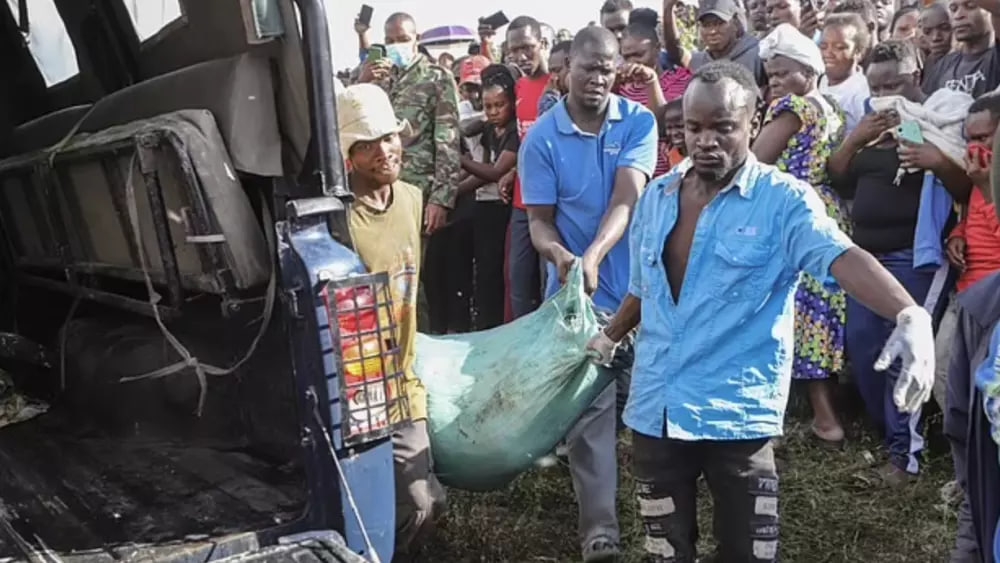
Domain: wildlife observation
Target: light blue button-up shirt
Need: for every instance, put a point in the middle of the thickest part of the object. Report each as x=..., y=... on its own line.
x=717, y=364
x=562, y=166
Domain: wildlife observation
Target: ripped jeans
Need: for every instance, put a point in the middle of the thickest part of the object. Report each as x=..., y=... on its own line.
x=742, y=479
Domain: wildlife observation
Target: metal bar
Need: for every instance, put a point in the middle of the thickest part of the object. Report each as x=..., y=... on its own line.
x=214, y=257
x=113, y=173
x=50, y=191
x=164, y=239
x=37, y=209
x=74, y=213
x=322, y=105
x=127, y=273
x=64, y=157
x=97, y=296
x=9, y=229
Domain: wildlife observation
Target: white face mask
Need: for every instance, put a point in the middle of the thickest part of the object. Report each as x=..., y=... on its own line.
x=401, y=54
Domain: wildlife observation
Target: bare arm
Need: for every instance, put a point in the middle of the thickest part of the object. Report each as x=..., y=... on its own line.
x=491, y=172
x=470, y=184
x=864, y=279
x=628, y=185
x=656, y=101
x=545, y=236
x=773, y=138
x=626, y=318
x=672, y=36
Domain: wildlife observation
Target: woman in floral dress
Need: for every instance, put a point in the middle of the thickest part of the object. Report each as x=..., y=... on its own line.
x=800, y=130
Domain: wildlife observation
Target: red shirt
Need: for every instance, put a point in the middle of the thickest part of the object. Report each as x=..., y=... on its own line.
x=981, y=232
x=528, y=92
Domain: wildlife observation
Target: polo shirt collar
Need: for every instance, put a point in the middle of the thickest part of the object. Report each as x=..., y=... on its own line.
x=744, y=181
x=565, y=123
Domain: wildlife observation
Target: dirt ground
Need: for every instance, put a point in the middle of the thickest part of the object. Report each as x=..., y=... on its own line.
x=832, y=511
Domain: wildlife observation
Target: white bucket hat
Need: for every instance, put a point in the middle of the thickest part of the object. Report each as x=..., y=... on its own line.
x=364, y=113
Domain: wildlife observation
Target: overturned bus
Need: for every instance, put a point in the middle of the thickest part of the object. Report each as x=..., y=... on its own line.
x=192, y=363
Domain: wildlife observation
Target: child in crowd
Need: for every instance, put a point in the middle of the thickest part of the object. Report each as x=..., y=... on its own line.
x=673, y=132
x=843, y=44
x=500, y=142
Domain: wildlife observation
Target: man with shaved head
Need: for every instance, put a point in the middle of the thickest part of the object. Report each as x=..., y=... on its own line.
x=425, y=95
x=717, y=246
x=582, y=167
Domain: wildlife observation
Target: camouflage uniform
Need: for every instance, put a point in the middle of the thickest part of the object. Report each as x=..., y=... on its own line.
x=425, y=95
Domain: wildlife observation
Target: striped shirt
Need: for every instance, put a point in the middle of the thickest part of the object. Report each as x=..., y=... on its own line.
x=673, y=82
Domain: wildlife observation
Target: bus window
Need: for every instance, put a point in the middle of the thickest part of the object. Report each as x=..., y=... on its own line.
x=151, y=16
x=48, y=41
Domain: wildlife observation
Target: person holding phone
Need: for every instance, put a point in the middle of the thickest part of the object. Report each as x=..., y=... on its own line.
x=425, y=95
x=884, y=221
x=362, y=24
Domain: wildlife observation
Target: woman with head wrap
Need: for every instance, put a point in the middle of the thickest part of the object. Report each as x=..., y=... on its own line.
x=800, y=129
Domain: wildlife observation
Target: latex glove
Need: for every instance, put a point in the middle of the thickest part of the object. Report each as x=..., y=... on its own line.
x=912, y=342
x=601, y=349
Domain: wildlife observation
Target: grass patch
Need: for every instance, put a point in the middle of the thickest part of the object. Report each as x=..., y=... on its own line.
x=831, y=511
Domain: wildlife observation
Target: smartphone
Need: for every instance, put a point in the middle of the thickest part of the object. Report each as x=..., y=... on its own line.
x=495, y=21
x=365, y=16
x=909, y=131
x=375, y=53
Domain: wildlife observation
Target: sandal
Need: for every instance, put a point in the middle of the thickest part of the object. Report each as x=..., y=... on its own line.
x=601, y=550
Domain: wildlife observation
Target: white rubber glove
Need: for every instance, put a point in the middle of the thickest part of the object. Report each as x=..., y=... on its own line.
x=912, y=342
x=601, y=349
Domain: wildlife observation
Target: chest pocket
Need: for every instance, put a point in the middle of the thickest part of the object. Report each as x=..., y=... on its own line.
x=740, y=269
x=650, y=256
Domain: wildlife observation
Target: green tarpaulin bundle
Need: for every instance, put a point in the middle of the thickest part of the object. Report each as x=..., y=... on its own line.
x=500, y=399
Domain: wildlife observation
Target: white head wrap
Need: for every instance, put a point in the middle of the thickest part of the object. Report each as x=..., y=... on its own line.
x=789, y=42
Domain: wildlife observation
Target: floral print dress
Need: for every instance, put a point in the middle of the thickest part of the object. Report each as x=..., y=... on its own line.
x=820, y=311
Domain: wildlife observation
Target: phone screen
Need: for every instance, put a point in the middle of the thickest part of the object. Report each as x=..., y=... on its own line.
x=910, y=131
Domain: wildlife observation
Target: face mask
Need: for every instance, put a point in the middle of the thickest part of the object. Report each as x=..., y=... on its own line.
x=401, y=54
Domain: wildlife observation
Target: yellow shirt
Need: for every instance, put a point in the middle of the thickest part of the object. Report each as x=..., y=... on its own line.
x=389, y=241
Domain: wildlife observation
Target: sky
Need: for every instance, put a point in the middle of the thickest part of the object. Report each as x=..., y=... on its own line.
x=432, y=13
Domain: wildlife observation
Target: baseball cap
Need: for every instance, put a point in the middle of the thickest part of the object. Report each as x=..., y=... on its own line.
x=472, y=69
x=364, y=113
x=723, y=9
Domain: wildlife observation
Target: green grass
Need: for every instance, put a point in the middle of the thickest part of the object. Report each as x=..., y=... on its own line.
x=831, y=511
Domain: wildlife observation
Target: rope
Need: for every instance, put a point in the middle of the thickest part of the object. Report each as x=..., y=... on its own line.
x=62, y=338
x=343, y=479
x=201, y=370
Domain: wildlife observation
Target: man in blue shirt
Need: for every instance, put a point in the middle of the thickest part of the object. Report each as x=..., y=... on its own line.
x=717, y=247
x=582, y=167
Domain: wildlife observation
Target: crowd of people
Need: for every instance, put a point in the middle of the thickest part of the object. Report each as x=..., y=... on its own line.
x=777, y=190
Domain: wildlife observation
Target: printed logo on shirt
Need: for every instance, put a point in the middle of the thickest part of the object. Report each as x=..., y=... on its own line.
x=967, y=83
x=613, y=149
x=747, y=231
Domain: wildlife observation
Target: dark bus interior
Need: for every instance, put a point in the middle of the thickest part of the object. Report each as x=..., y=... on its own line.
x=139, y=184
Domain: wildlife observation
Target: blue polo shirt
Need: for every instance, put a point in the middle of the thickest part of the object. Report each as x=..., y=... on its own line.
x=562, y=166
x=717, y=364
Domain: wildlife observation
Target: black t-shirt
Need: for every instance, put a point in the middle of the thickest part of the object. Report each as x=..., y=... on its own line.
x=884, y=214
x=494, y=145
x=973, y=74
